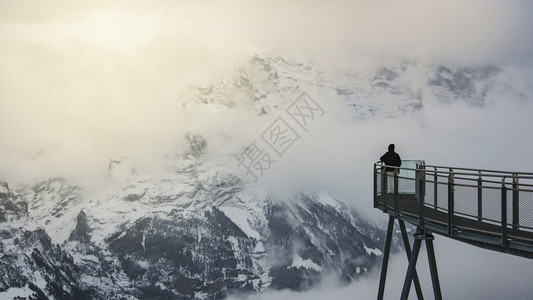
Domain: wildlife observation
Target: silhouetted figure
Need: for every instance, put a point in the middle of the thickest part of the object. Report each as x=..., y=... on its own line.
x=391, y=158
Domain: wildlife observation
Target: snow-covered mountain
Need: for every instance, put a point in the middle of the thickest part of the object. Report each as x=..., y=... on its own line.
x=198, y=232
x=270, y=82
x=201, y=229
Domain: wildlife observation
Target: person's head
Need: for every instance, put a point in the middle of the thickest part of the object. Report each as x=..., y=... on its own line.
x=391, y=147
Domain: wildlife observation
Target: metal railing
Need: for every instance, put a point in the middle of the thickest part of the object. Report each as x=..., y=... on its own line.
x=479, y=206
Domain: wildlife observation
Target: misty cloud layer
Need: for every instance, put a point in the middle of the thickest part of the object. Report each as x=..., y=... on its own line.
x=83, y=79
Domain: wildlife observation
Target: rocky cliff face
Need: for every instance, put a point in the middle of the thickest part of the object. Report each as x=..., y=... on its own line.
x=31, y=264
x=201, y=233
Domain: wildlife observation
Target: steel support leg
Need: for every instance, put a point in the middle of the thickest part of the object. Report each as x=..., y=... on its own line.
x=412, y=267
x=385, y=263
x=407, y=247
x=433, y=267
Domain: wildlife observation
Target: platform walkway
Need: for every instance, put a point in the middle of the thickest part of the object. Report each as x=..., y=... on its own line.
x=485, y=208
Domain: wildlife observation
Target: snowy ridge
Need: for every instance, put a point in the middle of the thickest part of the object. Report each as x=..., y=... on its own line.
x=268, y=83
x=298, y=262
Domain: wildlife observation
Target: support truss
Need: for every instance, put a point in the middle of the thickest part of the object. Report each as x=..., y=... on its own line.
x=412, y=256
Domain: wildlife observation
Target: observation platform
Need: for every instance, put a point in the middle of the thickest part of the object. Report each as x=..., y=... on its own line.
x=486, y=208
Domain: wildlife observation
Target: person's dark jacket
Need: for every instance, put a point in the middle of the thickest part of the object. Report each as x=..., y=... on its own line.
x=391, y=158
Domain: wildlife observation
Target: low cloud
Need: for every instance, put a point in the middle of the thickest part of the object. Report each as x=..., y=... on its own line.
x=465, y=272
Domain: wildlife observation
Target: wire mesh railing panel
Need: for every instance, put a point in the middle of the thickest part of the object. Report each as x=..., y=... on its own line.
x=525, y=210
x=430, y=194
x=378, y=181
x=492, y=205
x=466, y=201
x=442, y=195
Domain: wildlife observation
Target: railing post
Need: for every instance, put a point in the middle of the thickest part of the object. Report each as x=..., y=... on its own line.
x=423, y=168
x=396, y=193
x=451, y=204
x=435, y=188
x=479, y=197
x=384, y=187
x=421, y=185
x=375, y=185
x=504, y=213
x=516, y=206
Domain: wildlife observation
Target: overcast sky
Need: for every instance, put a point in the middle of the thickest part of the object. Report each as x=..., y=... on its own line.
x=80, y=81
x=76, y=76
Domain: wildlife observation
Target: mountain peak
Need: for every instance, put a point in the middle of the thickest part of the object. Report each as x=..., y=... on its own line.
x=268, y=82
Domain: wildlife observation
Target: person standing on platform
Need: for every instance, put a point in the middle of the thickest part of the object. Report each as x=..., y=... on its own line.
x=391, y=158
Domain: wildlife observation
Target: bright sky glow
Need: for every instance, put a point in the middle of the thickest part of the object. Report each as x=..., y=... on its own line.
x=115, y=30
